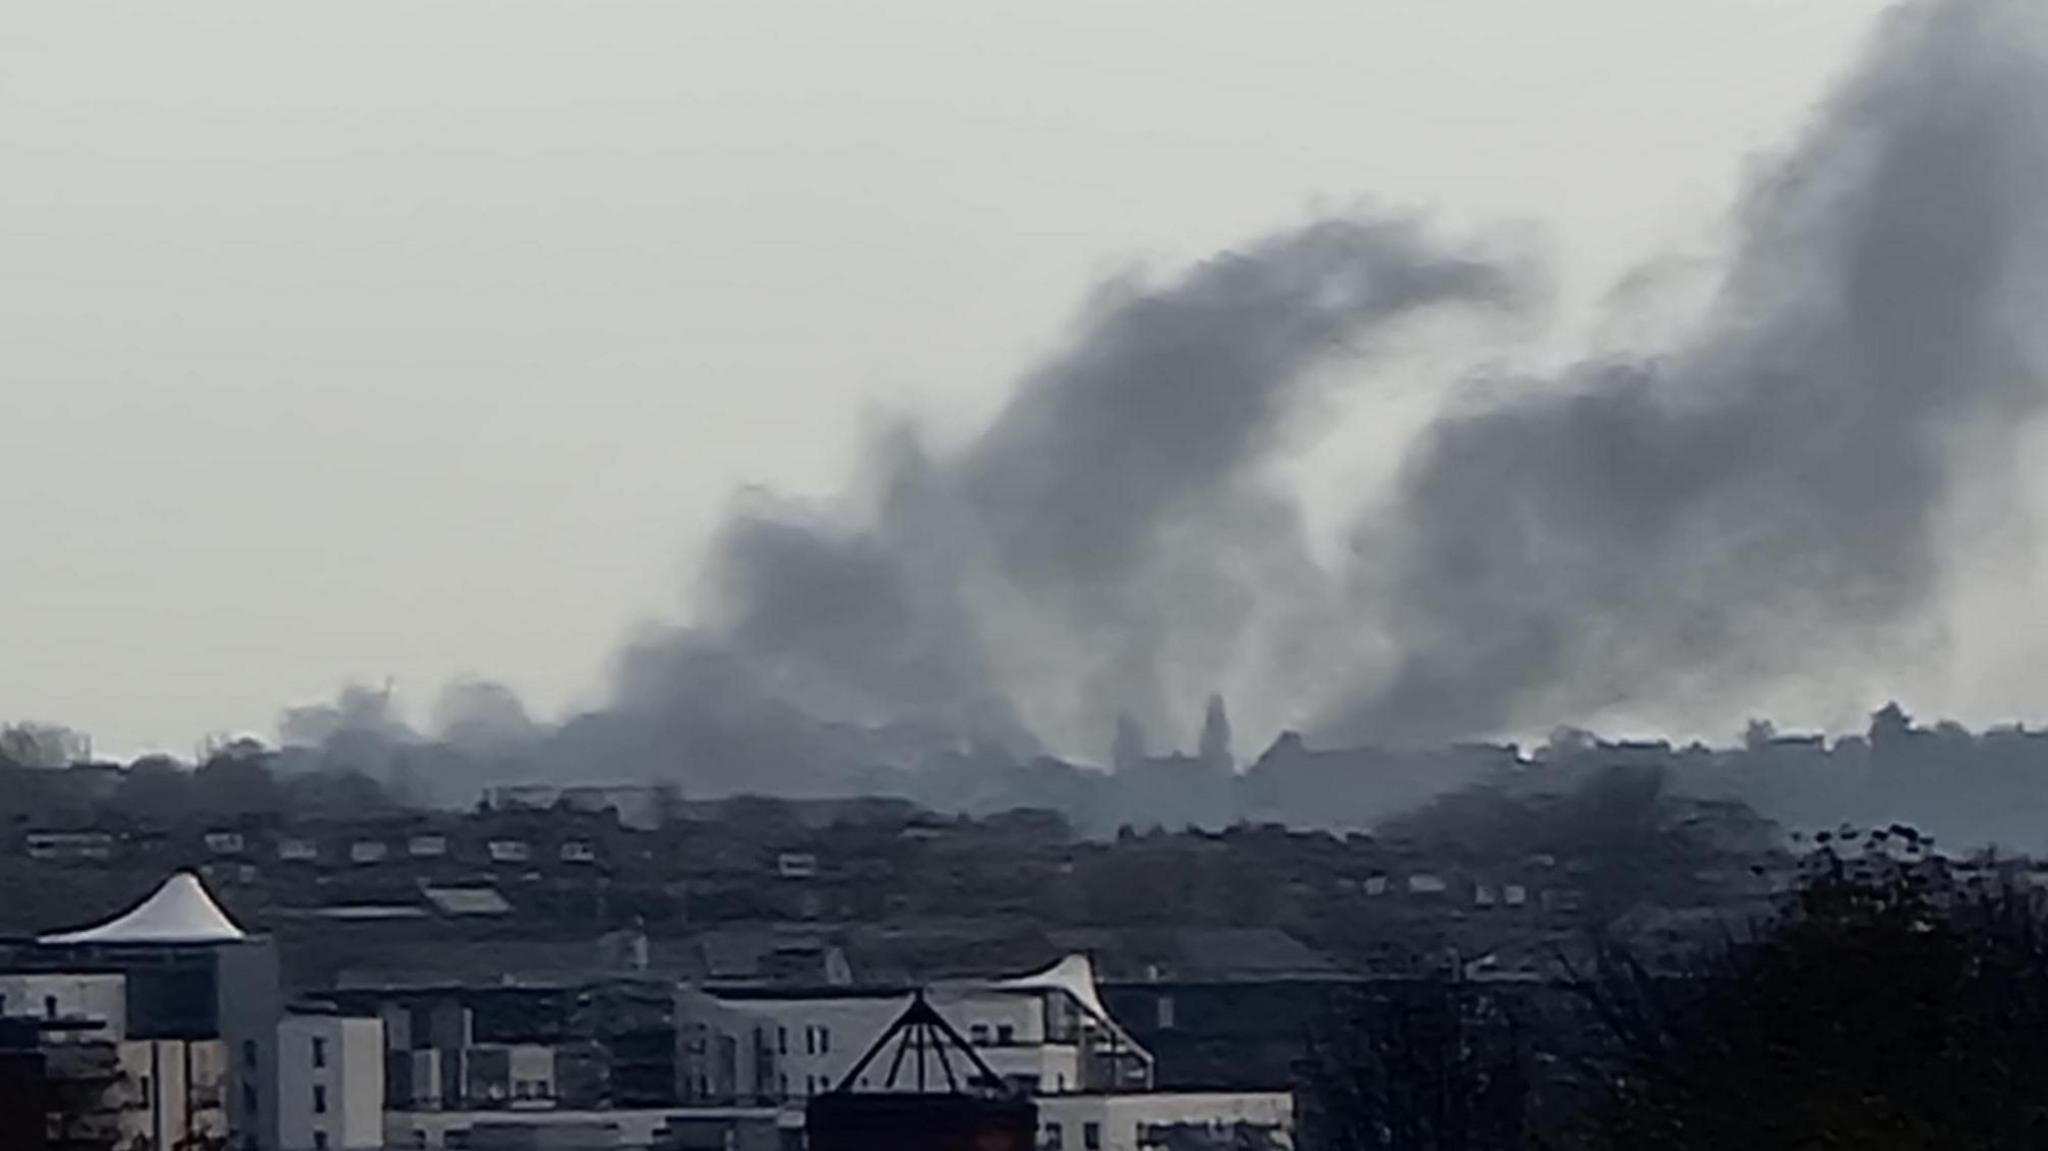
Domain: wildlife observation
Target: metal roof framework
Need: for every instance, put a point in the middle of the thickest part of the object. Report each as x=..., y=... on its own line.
x=922, y=1034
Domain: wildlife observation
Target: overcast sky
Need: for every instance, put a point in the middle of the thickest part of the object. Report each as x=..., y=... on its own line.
x=427, y=339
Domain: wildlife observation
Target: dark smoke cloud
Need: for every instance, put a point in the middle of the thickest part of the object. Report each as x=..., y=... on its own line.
x=1107, y=535
x=1766, y=498
x=1762, y=500
x=1106, y=546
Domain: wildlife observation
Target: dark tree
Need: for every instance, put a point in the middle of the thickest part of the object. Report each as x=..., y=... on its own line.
x=156, y=791
x=237, y=780
x=1887, y=1009
x=1436, y=1064
x=335, y=793
x=31, y=744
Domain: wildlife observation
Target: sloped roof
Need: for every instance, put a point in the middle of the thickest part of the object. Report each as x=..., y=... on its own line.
x=466, y=900
x=180, y=911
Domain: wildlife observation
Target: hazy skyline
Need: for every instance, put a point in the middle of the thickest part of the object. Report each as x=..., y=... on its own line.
x=424, y=341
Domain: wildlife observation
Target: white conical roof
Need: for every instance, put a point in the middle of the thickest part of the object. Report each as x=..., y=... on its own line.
x=180, y=911
x=1074, y=975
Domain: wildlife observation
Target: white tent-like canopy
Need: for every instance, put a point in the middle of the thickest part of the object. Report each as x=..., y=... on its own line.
x=1074, y=975
x=180, y=911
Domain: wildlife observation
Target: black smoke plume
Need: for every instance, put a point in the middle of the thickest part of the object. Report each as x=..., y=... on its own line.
x=1759, y=502
x=1766, y=498
x=1108, y=541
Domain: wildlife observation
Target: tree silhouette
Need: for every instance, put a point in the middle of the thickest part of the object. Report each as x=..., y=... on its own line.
x=1888, y=1008
x=1433, y=1064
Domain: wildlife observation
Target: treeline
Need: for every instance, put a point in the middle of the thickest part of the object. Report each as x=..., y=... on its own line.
x=1969, y=788
x=232, y=779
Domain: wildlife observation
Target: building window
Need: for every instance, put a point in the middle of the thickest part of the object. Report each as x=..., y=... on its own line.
x=824, y=1041
x=319, y=1099
x=319, y=1052
x=49, y=1006
x=249, y=1100
x=1055, y=1139
x=977, y=1033
x=249, y=1054
x=810, y=1040
x=1005, y=1035
x=142, y=1082
x=1091, y=1136
x=510, y=850
x=319, y=1141
x=782, y=1040
x=1166, y=1013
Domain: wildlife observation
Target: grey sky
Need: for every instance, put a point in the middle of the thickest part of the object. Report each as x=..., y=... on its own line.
x=430, y=338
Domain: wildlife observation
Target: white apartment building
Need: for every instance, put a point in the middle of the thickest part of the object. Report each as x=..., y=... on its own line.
x=1043, y=1034
x=330, y=1083
x=1046, y=1034
x=750, y=1059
